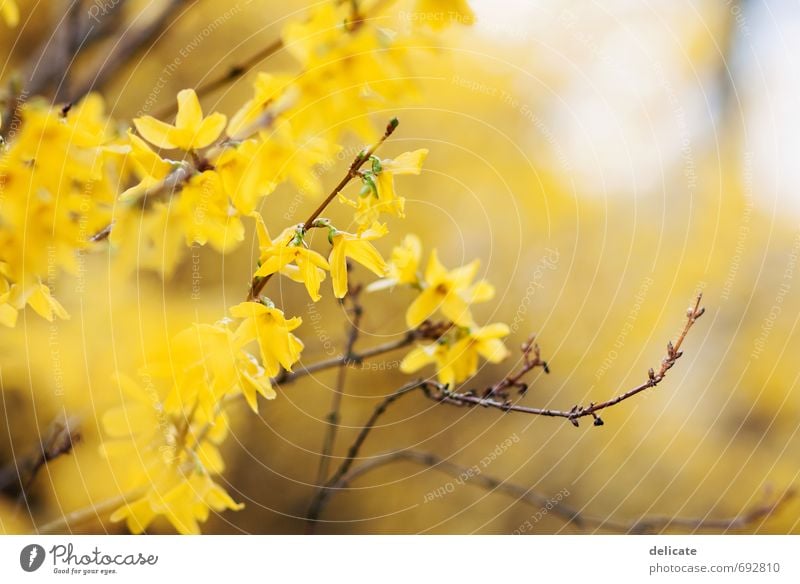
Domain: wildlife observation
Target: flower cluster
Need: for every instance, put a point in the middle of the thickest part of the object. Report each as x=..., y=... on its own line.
x=58, y=177
x=451, y=293
x=199, y=180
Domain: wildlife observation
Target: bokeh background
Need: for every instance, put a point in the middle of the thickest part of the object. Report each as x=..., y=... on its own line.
x=605, y=160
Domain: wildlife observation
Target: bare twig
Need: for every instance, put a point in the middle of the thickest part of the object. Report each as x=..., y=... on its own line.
x=234, y=73
x=59, y=439
x=576, y=412
x=70, y=521
x=566, y=513
x=336, y=403
x=322, y=495
x=531, y=359
x=241, y=69
x=109, y=64
x=356, y=357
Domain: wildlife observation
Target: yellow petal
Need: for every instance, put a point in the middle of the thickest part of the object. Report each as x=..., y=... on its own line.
x=338, y=263
x=209, y=130
x=435, y=272
x=8, y=315
x=156, y=132
x=45, y=305
x=190, y=114
x=493, y=350
x=138, y=515
x=463, y=276
x=407, y=163
x=483, y=291
x=416, y=360
x=456, y=309
x=423, y=307
x=365, y=254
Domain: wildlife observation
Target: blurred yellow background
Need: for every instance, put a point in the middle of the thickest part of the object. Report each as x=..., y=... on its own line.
x=605, y=162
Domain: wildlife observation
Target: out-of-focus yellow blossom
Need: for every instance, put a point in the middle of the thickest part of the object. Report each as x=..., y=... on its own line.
x=256, y=114
x=289, y=248
x=450, y=291
x=378, y=195
x=191, y=131
x=457, y=361
x=183, y=500
x=204, y=210
x=291, y=157
x=58, y=174
x=206, y=363
x=403, y=267
x=358, y=248
x=273, y=332
x=14, y=297
x=10, y=12
x=438, y=14
x=349, y=69
x=165, y=462
x=245, y=176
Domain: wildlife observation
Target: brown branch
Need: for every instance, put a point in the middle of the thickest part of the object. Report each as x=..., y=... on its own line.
x=576, y=412
x=257, y=285
x=355, y=358
x=322, y=495
x=531, y=358
x=58, y=440
x=336, y=403
x=234, y=73
x=241, y=69
x=568, y=514
x=109, y=63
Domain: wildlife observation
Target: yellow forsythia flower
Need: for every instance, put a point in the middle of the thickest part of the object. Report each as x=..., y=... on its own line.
x=253, y=115
x=191, y=130
x=167, y=461
x=9, y=12
x=204, y=211
x=183, y=500
x=433, y=353
x=205, y=363
x=383, y=198
x=149, y=167
x=289, y=248
x=451, y=291
x=357, y=247
x=459, y=361
x=273, y=331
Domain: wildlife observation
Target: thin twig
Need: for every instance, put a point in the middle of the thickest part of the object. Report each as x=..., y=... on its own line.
x=59, y=439
x=356, y=357
x=258, y=283
x=336, y=403
x=576, y=412
x=110, y=64
x=71, y=520
x=234, y=73
x=322, y=495
x=241, y=69
x=441, y=393
x=568, y=514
